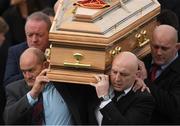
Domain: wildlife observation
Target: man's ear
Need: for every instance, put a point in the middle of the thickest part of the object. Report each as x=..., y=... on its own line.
x=178, y=46
x=138, y=74
x=46, y=64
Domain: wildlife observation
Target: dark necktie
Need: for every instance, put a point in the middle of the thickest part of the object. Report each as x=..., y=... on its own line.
x=154, y=70
x=118, y=95
x=37, y=112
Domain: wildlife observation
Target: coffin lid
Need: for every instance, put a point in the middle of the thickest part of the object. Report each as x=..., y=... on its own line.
x=79, y=25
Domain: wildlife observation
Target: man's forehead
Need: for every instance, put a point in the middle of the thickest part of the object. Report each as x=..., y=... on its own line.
x=119, y=67
x=163, y=44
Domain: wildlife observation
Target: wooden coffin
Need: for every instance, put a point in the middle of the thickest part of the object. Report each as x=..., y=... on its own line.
x=84, y=41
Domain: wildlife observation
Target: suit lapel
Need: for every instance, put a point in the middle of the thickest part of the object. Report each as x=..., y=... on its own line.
x=172, y=67
x=24, y=88
x=123, y=103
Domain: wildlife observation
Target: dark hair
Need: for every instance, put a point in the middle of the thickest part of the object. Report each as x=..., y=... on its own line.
x=3, y=26
x=40, y=16
x=168, y=17
x=36, y=5
x=49, y=11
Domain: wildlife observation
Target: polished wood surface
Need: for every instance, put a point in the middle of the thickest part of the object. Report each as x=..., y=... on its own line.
x=76, y=55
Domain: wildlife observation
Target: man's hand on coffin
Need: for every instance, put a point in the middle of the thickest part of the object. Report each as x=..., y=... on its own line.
x=102, y=85
x=39, y=84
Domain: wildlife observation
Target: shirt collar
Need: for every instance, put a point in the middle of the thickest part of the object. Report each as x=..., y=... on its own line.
x=111, y=91
x=166, y=65
x=128, y=89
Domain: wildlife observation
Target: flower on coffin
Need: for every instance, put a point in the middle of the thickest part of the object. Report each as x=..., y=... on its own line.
x=93, y=4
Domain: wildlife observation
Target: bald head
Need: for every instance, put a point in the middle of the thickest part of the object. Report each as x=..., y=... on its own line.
x=32, y=62
x=31, y=54
x=128, y=59
x=124, y=71
x=164, y=46
x=166, y=32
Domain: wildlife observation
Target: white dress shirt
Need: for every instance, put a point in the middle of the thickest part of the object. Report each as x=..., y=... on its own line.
x=56, y=111
x=98, y=114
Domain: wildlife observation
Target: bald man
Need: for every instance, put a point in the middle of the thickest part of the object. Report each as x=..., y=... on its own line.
x=164, y=83
x=22, y=95
x=118, y=103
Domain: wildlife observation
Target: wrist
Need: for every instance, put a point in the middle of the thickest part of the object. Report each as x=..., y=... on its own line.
x=104, y=98
x=33, y=94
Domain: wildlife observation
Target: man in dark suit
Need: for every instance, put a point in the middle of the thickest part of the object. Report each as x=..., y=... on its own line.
x=164, y=83
x=3, y=29
x=2, y=103
x=37, y=34
x=59, y=105
x=115, y=107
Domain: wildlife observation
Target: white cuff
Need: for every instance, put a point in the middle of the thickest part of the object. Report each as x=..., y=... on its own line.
x=31, y=100
x=104, y=103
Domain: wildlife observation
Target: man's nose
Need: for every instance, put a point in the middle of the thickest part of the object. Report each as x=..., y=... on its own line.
x=34, y=38
x=117, y=77
x=159, y=51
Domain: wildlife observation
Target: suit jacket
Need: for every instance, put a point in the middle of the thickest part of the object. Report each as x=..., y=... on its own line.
x=12, y=71
x=166, y=91
x=4, y=4
x=133, y=108
x=3, y=55
x=19, y=111
x=172, y=5
x=2, y=103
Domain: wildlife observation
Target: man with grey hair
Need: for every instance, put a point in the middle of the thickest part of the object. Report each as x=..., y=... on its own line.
x=35, y=100
x=37, y=34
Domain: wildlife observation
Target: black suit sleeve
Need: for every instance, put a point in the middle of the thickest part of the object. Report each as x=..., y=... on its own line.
x=137, y=112
x=17, y=106
x=168, y=100
x=12, y=72
x=2, y=103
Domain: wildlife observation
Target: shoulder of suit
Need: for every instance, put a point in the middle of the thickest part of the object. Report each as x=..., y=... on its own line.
x=18, y=49
x=22, y=45
x=17, y=83
x=147, y=58
x=145, y=93
x=175, y=65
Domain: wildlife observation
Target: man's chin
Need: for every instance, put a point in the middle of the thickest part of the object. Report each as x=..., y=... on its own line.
x=30, y=84
x=117, y=88
x=159, y=62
